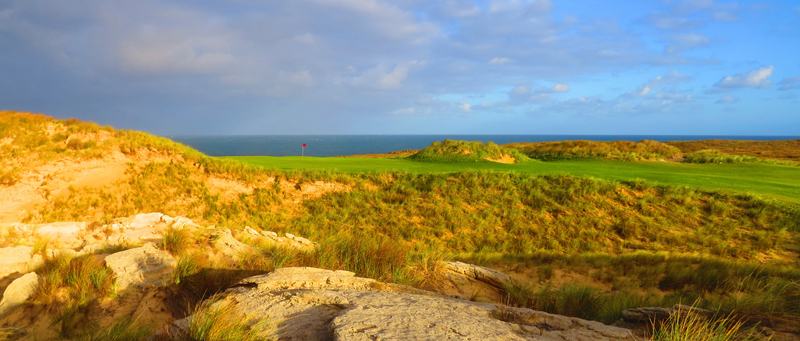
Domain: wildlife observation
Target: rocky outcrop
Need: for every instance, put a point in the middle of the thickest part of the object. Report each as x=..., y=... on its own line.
x=141, y=266
x=18, y=292
x=316, y=304
x=224, y=242
x=15, y=259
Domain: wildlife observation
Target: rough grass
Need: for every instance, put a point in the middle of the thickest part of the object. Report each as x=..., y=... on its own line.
x=218, y=321
x=685, y=325
x=715, y=156
x=623, y=150
x=787, y=150
x=456, y=151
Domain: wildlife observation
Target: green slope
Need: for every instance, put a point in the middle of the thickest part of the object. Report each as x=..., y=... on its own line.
x=774, y=181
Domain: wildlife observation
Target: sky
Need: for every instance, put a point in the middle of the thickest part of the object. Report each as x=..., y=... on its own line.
x=248, y=67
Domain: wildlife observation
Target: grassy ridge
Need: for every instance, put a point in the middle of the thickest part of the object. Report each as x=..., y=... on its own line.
x=622, y=150
x=772, y=181
x=453, y=151
x=715, y=156
x=787, y=150
x=729, y=249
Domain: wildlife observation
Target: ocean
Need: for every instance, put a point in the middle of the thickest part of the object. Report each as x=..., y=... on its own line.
x=339, y=145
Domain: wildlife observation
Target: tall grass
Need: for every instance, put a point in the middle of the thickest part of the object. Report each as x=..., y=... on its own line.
x=623, y=150
x=465, y=151
x=786, y=150
x=715, y=156
x=685, y=325
x=219, y=321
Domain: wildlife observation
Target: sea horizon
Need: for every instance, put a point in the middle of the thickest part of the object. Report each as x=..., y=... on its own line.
x=328, y=145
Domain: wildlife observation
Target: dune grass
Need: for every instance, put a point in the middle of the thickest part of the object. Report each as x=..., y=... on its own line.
x=774, y=181
x=581, y=149
x=691, y=229
x=715, y=156
x=454, y=151
x=786, y=150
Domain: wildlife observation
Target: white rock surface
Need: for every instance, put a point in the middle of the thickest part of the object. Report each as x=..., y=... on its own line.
x=315, y=304
x=143, y=220
x=18, y=292
x=14, y=259
x=141, y=266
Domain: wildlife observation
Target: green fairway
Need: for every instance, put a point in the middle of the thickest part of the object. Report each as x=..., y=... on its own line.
x=779, y=182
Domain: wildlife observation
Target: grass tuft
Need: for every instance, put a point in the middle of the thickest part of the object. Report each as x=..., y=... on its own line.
x=219, y=321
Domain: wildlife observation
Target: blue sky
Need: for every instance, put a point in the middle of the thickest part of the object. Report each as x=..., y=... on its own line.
x=708, y=67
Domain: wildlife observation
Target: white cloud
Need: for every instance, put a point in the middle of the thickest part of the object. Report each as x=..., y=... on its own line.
x=466, y=107
x=498, y=60
x=679, y=43
x=405, y=111
x=725, y=16
x=560, y=88
x=789, y=83
x=461, y=8
x=382, y=77
x=672, y=78
x=752, y=79
x=297, y=78
x=307, y=38
x=727, y=100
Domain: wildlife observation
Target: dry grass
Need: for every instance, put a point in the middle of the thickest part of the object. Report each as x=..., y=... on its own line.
x=685, y=325
x=623, y=150
x=788, y=150
x=219, y=321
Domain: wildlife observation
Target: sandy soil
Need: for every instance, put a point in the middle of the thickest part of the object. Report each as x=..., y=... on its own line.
x=52, y=179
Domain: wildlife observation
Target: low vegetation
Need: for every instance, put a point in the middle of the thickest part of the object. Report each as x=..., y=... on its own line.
x=466, y=152
x=621, y=150
x=786, y=150
x=715, y=156
x=650, y=244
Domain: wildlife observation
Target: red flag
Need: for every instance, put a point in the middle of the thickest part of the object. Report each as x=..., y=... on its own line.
x=304, y=144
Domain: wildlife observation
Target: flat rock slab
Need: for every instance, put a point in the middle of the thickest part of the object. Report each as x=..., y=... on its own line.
x=316, y=304
x=15, y=259
x=18, y=292
x=141, y=266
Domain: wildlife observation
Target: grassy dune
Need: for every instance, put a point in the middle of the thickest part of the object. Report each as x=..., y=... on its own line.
x=787, y=150
x=773, y=181
x=655, y=233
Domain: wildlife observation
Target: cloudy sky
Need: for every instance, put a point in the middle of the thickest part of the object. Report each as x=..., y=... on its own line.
x=407, y=66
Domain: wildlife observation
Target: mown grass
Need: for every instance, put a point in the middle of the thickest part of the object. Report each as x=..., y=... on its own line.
x=580, y=149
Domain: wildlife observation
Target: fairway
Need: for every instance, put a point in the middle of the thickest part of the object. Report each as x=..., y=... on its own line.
x=779, y=182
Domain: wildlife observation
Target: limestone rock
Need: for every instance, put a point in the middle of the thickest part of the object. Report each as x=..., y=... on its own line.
x=227, y=245
x=18, y=292
x=145, y=220
x=14, y=259
x=69, y=234
x=251, y=231
x=141, y=266
x=492, y=277
x=316, y=304
x=647, y=314
x=179, y=222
